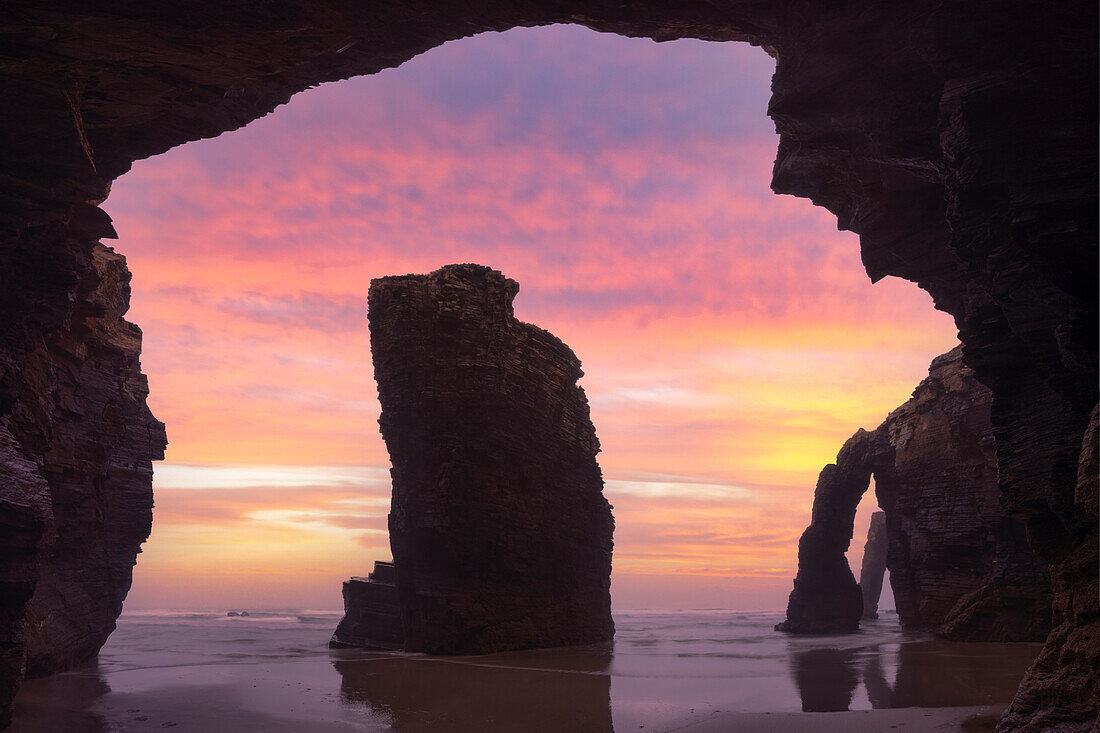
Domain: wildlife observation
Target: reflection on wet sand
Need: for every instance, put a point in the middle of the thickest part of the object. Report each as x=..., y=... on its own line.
x=930, y=673
x=826, y=679
x=538, y=690
x=62, y=702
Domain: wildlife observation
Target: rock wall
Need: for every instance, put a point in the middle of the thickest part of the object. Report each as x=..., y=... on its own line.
x=873, y=568
x=25, y=519
x=959, y=567
x=1062, y=682
x=500, y=532
x=98, y=467
x=78, y=442
x=958, y=140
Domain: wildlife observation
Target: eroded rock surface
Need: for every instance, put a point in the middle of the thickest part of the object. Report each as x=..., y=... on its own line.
x=75, y=402
x=500, y=532
x=958, y=565
x=873, y=568
x=958, y=140
x=372, y=612
x=25, y=521
x=98, y=464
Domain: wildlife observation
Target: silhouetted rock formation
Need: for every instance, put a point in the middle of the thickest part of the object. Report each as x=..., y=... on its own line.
x=958, y=565
x=500, y=532
x=826, y=598
x=957, y=139
x=873, y=567
x=372, y=613
x=75, y=423
x=80, y=406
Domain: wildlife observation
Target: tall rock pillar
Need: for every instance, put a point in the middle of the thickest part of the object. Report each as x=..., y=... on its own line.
x=500, y=532
x=873, y=567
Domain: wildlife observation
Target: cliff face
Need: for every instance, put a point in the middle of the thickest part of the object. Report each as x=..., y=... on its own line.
x=98, y=466
x=958, y=565
x=957, y=139
x=25, y=518
x=75, y=401
x=500, y=533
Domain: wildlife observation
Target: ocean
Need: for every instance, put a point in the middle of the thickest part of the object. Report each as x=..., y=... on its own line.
x=273, y=671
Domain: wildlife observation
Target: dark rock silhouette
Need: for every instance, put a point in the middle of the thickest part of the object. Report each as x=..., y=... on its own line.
x=77, y=441
x=372, y=613
x=826, y=598
x=96, y=458
x=1062, y=684
x=873, y=567
x=500, y=532
x=957, y=139
x=25, y=522
x=958, y=565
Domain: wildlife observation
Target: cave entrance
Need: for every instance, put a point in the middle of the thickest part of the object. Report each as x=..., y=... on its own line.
x=729, y=335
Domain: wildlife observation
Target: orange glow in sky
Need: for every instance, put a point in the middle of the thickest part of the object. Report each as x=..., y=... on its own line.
x=730, y=339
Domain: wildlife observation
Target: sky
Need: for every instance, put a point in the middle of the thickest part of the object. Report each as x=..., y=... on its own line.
x=730, y=338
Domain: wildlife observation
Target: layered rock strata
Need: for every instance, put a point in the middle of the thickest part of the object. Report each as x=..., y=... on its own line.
x=372, y=612
x=959, y=567
x=958, y=140
x=25, y=520
x=77, y=441
x=500, y=532
x=873, y=567
x=98, y=464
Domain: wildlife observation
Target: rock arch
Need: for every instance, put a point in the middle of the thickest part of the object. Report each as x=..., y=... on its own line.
x=958, y=140
x=959, y=567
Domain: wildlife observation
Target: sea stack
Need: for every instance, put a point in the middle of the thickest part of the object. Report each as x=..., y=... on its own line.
x=873, y=567
x=500, y=533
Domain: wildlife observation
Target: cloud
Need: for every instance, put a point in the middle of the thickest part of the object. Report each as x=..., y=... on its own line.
x=328, y=313
x=730, y=338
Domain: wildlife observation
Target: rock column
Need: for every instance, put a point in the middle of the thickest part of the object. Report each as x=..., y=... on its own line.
x=874, y=565
x=826, y=598
x=500, y=532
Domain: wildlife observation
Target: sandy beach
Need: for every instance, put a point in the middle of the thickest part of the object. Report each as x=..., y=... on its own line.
x=701, y=672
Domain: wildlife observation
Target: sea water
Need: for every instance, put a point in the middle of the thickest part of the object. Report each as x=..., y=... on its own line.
x=273, y=670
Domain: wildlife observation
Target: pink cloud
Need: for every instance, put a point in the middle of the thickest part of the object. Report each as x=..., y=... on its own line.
x=726, y=333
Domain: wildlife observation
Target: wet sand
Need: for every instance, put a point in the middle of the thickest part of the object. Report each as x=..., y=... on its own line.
x=201, y=700
x=700, y=673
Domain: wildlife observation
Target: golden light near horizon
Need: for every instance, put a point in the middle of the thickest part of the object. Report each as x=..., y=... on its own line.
x=730, y=338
